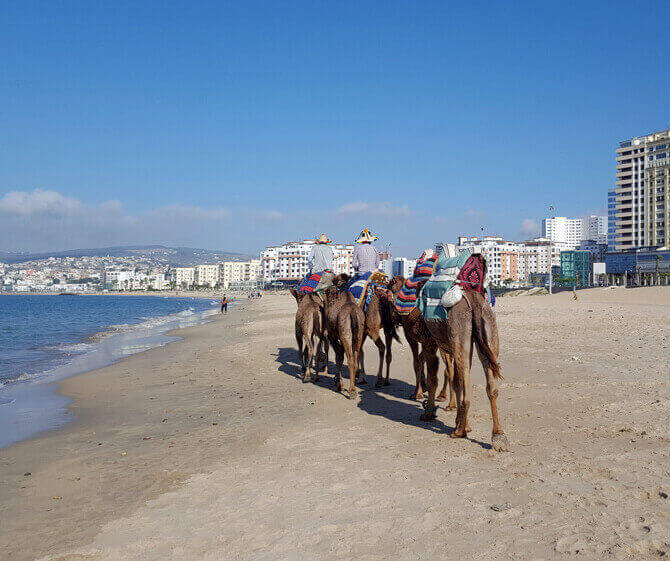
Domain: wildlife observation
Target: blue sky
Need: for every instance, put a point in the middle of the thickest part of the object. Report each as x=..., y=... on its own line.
x=236, y=125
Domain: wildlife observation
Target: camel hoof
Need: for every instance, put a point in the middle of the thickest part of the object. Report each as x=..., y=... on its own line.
x=379, y=384
x=500, y=443
x=458, y=434
x=468, y=429
x=441, y=398
x=450, y=407
x=305, y=378
x=353, y=394
x=428, y=416
x=387, y=382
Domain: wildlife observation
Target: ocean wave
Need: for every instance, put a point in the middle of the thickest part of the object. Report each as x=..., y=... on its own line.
x=150, y=327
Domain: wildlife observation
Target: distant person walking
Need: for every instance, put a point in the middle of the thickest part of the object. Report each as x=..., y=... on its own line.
x=224, y=304
x=366, y=256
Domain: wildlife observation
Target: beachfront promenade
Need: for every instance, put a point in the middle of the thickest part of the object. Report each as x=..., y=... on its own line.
x=213, y=448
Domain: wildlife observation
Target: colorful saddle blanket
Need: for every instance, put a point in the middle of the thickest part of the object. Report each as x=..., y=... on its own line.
x=316, y=281
x=407, y=298
x=445, y=274
x=362, y=286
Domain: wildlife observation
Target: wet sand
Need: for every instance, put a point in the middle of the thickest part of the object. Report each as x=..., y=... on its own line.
x=212, y=448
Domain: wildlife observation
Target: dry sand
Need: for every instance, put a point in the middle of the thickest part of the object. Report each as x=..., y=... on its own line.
x=242, y=461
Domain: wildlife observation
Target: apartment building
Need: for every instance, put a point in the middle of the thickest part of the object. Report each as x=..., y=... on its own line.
x=185, y=277
x=239, y=273
x=639, y=205
x=289, y=262
x=496, y=250
x=402, y=266
x=572, y=231
x=208, y=275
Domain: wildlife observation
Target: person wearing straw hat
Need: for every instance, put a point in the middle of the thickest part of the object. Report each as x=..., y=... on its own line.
x=366, y=256
x=321, y=256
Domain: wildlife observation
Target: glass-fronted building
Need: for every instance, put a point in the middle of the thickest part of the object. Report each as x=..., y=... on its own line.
x=576, y=266
x=642, y=261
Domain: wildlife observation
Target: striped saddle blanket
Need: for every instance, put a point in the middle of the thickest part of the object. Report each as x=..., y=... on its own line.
x=316, y=281
x=362, y=286
x=407, y=298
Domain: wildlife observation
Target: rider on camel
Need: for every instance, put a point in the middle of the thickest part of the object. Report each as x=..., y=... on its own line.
x=366, y=256
x=321, y=256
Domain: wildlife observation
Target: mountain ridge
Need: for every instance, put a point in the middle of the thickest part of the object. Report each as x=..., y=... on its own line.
x=172, y=255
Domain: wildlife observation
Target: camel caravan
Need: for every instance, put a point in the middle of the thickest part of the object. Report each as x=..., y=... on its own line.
x=444, y=309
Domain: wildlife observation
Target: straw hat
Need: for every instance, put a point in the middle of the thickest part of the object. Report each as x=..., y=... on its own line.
x=366, y=236
x=323, y=239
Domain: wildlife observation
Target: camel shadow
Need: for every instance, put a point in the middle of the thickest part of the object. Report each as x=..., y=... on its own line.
x=390, y=402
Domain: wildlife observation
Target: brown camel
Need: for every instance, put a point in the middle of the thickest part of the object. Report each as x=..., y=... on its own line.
x=378, y=317
x=470, y=324
x=416, y=333
x=345, y=322
x=310, y=324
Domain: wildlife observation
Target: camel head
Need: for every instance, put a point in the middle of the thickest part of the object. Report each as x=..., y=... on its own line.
x=341, y=281
x=395, y=284
x=297, y=295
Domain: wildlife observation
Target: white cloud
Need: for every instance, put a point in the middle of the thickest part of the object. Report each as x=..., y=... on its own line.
x=473, y=213
x=39, y=201
x=382, y=209
x=530, y=227
x=272, y=215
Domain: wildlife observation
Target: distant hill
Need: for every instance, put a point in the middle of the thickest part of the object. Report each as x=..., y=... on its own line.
x=184, y=256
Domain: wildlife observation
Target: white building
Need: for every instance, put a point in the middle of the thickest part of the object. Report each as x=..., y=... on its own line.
x=403, y=266
x=208, y=275
x=289, y=262
x=185, y=277
x=496, y=250
x=240, y=272
x=572, y=231
x=595, y=229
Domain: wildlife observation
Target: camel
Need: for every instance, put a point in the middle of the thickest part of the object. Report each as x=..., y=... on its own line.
x=345, y=322
x=378, y=316
x=416, y=333
x=470, y=324
x=309, y=323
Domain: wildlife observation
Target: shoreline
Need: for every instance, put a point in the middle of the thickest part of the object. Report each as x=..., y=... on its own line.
x=39, y=466
x=32, y=404
x=213, y=448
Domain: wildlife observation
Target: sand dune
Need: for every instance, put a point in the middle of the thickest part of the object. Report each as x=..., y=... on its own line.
x=212, y=448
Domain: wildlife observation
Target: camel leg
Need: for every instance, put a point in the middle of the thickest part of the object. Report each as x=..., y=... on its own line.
x=389, y=358
x=352, y=362
x=339, y=359
x=324, y=342
x=382, y=350
x=499, y=441
x=298, y=338
x=462, y=376
x=432, y=366
x=360, y=373
x=418, y=369
x=448, y=382
x=307, y=362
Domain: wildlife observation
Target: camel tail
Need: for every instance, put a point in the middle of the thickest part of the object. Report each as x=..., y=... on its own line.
x=387, y=320
x=485, y=331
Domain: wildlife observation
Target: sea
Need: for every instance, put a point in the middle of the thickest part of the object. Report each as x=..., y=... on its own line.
x=44, y=339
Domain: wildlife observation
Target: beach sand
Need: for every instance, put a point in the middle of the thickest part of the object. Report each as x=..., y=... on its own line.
x=213, y=449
